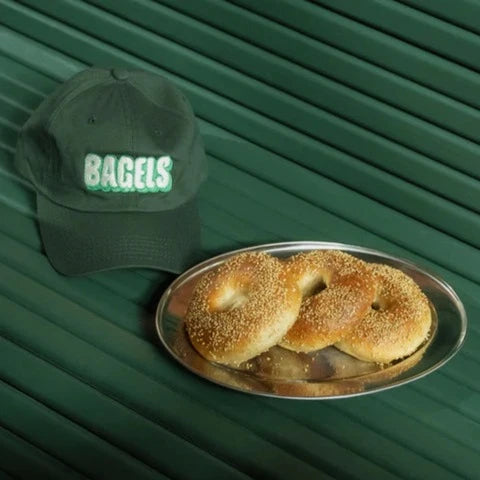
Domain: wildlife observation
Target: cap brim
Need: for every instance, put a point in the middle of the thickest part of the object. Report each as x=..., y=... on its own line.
x=78, y=242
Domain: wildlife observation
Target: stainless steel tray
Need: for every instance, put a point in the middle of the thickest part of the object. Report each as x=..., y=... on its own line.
x=327, y=373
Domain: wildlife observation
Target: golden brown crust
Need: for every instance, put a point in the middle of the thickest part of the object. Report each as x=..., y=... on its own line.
x=399, y=324
x=241, y=309
x=328, y=316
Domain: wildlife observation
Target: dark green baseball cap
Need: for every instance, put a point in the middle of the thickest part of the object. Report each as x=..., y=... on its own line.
x=117, y=160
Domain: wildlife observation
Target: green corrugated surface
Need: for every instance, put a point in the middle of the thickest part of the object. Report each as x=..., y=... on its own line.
x=354, y=121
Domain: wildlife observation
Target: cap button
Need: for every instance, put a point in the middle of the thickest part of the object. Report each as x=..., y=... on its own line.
x=119, y=73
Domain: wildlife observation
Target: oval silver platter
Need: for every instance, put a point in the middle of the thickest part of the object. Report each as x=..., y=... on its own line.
x=326, y=373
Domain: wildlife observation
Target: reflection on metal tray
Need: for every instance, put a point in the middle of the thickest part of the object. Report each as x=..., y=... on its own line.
x=326, y=373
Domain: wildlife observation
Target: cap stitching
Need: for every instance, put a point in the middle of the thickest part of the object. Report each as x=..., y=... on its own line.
x=133, y=125
x=126, y=114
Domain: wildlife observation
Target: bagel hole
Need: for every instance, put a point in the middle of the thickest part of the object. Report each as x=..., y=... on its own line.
x=313, y=288
x=376, y=306
x=230, y=300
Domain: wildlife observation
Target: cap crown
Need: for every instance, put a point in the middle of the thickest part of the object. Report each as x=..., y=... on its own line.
x=114, y=141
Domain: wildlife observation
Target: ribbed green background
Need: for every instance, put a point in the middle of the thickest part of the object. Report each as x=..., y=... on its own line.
x=356, y=121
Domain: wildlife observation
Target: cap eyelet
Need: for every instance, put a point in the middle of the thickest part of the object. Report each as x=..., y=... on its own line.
x=92, y=119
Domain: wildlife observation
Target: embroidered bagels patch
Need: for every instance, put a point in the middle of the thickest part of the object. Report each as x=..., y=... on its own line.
x=124, y=173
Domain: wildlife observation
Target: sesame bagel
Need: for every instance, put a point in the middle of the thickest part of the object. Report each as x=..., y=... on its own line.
x=242, y=308
x=397, y=324
x=329, y=313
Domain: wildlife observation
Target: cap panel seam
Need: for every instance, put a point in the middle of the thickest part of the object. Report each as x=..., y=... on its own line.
x=134, y=122
x=126, y=115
